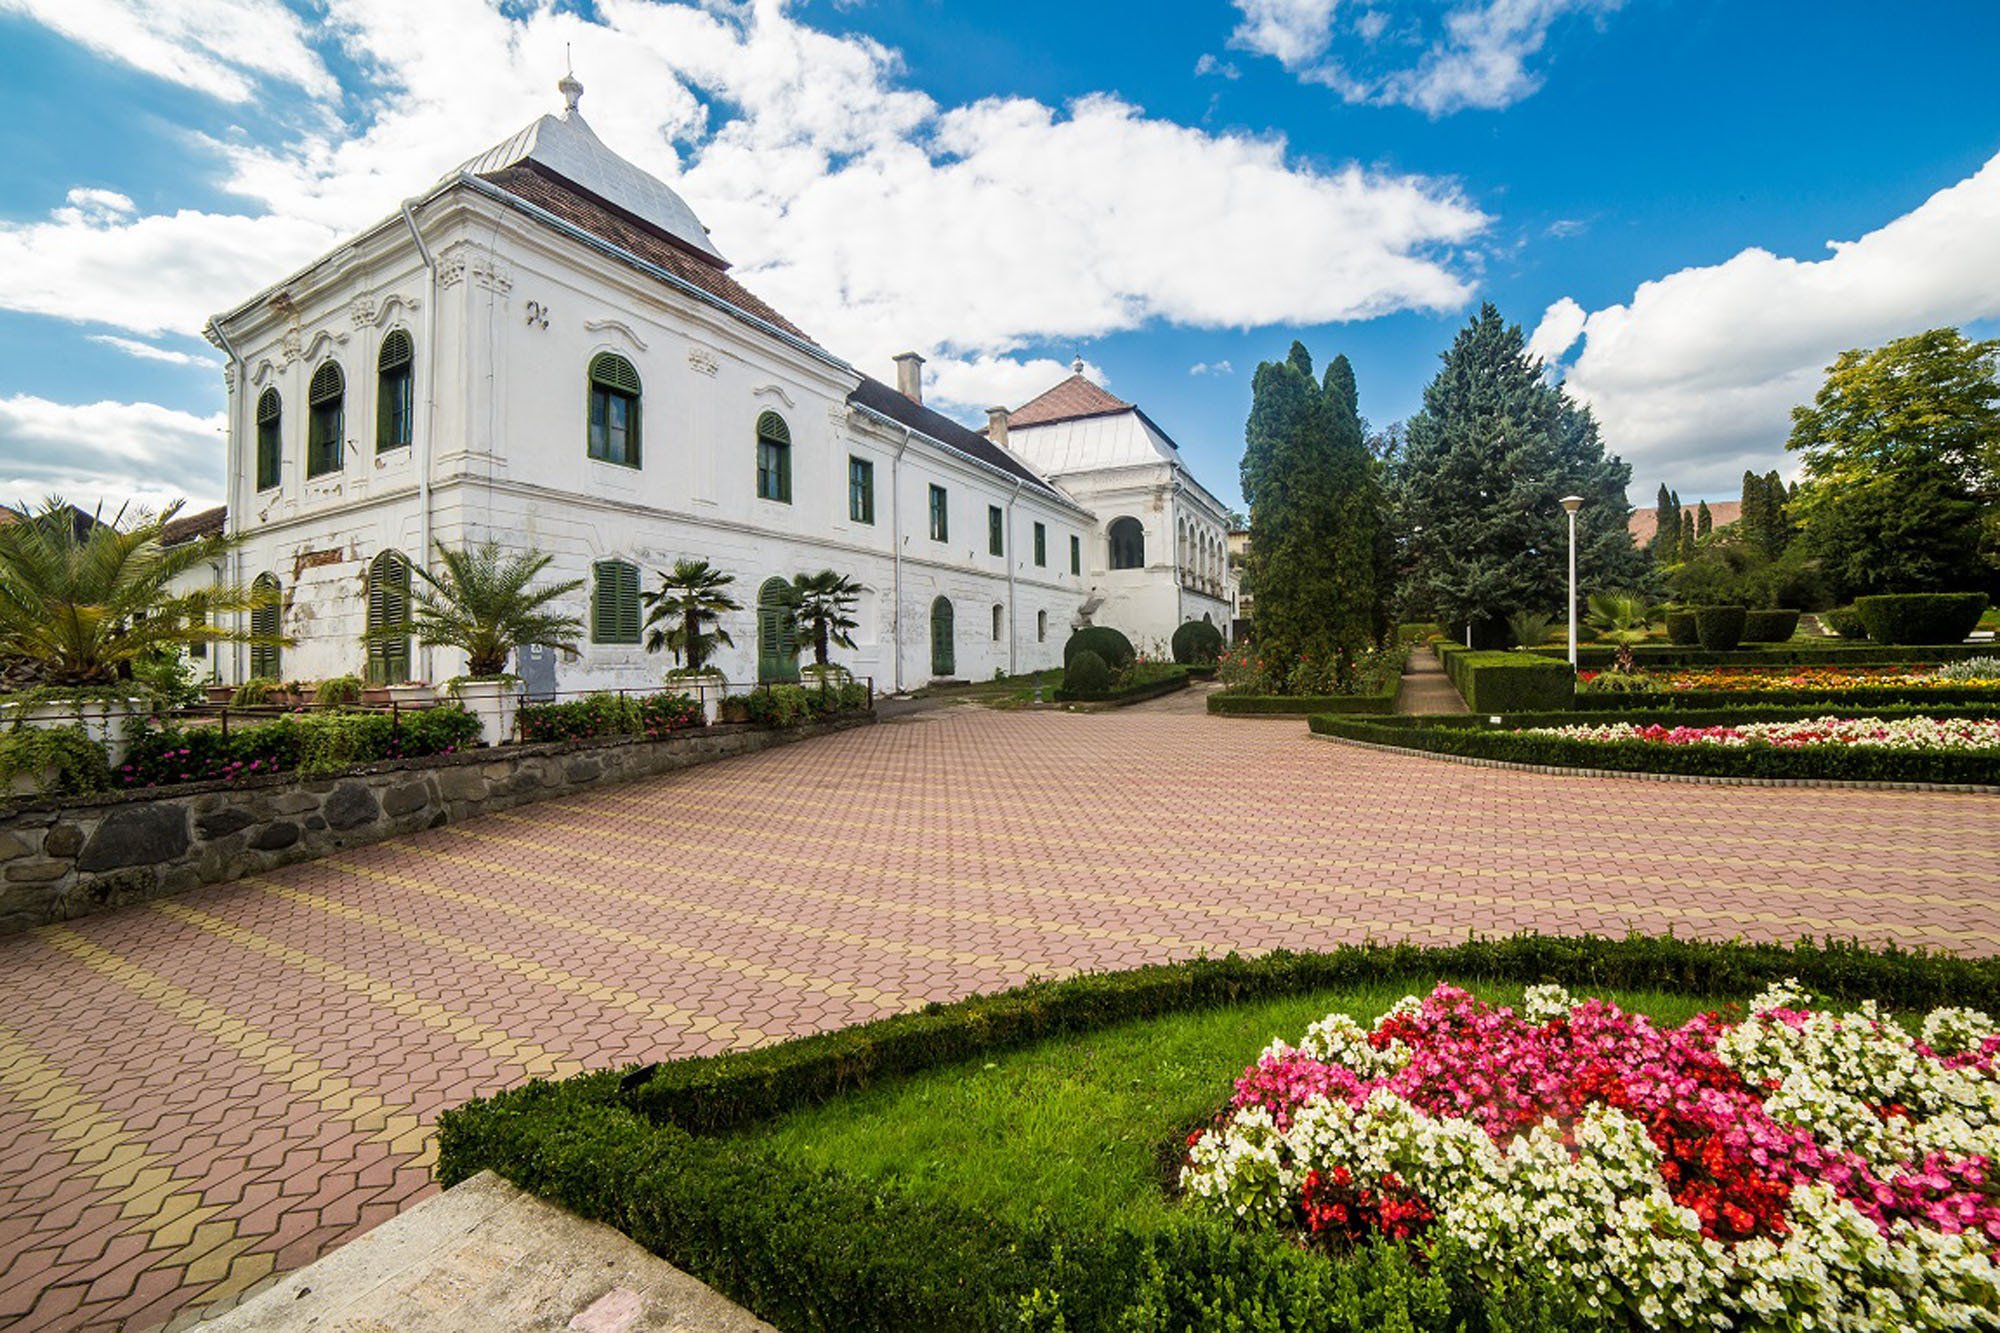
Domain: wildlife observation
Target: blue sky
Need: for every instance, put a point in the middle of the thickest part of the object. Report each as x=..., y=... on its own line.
x=1649, y=188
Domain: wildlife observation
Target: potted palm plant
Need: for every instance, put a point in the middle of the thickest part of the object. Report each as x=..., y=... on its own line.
x=684, y=617
x=824, y=606
x=84, y=598
x=480, y=603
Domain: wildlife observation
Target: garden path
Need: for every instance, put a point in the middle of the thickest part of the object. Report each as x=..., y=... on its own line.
x=1425, y=688
x=202, y=1091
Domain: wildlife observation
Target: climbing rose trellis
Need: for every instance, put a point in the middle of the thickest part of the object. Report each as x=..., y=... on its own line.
x=1798, y=1169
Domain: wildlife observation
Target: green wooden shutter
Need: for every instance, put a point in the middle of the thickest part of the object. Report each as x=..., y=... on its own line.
x=270, y=438
x=394, y=384
x=614, y=603
x=264, y=623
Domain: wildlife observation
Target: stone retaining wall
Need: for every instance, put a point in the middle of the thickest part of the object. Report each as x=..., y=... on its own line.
x=68, y=858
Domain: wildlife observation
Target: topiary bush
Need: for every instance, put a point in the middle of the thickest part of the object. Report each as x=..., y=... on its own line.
x=1112, y=647
x=1921, y=617
x=1196, y=641
x=1682, y=630
x=1087, y=676
x=1720, y=628
x=1770, y=626
x=1843, y=621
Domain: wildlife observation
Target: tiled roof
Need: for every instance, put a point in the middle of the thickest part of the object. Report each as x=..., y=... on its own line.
x=1645, y=520
x=1074, y=397
x=578, y=208
x=880, y=397
x=192, y=527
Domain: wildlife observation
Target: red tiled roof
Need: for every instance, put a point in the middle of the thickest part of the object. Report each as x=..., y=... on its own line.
x=191, y=527
x=581, y=209
x=1646, y=519
x=1075, y=397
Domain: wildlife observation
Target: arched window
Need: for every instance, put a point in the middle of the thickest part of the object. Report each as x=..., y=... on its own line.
x=999, y=617
x=614, y=602
x=774, y=458
x=326, y=420
x=1128, y=544
x=614, y=410
x=266, y=622
x=1041, y=627
x=394, y=392
x=388, y=609
x=944, y=658
x=777, y=632
x=270, y=439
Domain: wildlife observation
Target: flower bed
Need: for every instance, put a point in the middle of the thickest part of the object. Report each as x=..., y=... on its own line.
x=598, y=715
x=1907, y=733
x=1795, y=1169
x=308, y=743
x=1983, y=672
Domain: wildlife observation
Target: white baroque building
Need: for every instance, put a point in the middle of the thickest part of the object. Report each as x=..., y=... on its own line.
x=546, y=349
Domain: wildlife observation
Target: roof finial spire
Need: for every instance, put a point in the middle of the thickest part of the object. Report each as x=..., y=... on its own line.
x=1076, y=366
x=571, y=90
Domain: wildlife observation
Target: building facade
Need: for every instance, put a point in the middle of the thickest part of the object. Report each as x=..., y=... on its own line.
x=546, y=349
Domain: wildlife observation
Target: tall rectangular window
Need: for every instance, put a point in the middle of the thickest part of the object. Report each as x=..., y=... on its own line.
x=860, y=490
x=1075, y=554
x=1041, y=545
x=996, y=536
x=940, y=516
x=774, y=458
x=614, y=410
x=270, y=439
x=614, y=603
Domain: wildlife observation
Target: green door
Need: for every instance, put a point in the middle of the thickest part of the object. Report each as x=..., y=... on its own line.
x=777, y=633
x=942, y=661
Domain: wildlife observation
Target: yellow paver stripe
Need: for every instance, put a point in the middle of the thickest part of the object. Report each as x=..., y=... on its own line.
x=746, y=967
x=611, y=997
x=382, y=1119
x=147, y=1189
x=533, y=1058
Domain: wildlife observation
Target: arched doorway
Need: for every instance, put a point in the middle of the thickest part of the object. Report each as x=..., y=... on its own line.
x=944, y=661
x=1128, y=544
x=777, y=633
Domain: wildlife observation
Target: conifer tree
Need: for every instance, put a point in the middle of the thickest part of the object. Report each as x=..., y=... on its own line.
x=1704, y=522
x=1316, y=512
x=1666, y=541
x=1755, y=522
x=1776, y=499
x=1687, y=542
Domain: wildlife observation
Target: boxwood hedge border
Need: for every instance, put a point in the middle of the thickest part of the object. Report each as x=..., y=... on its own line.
x=653, y=1151
x=1226, y=703
x=1132, y=694
x=1477, y=739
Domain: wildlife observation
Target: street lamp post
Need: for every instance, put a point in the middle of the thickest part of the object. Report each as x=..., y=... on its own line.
x=1572, y=503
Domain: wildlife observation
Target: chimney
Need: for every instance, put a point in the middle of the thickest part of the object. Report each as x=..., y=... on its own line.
x=996, y=425
x=910, y=376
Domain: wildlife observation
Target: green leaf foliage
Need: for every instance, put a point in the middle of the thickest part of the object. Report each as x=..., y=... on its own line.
x=1196, y=641
x=1113, y=647
x=691, y=598
x=480, y=603
x=824, y=604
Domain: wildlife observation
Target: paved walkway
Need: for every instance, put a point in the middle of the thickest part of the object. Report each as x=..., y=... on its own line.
x=1425, y=687
x=200, y=1092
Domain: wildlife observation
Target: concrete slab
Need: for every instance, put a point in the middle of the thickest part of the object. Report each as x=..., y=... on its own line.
x=487, y=1256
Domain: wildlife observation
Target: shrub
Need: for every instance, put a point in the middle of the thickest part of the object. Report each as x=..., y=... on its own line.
x=1113, y=648
x=1619, y=682
x=1844, y=622
x=253, y=692
x=1720, y=628
x=169, y=678
x=1972, y=668
x=54, y=760
x=1528, y=629
x=1495, y=682
x=1087, y=676
x=1196, y=641
x=1682, y=628
x=1921, y=617
x=1770, y=626
x=342, y=691
x=601, y=715
x=307, y=743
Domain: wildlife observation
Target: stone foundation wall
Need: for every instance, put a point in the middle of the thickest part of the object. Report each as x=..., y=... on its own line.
x=68, y=858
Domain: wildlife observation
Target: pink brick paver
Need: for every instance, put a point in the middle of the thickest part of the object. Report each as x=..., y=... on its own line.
x=201, y=1091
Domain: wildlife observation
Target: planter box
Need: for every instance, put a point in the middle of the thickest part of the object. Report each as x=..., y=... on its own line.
x=495, y=703
x=375, y=696
x=103, y=720
x=708, y=688
x=413, y=696
x=219, y=694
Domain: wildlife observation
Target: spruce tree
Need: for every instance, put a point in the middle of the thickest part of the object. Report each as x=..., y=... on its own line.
x=1316, y=512
x=1704, y=522
x=1484, y=467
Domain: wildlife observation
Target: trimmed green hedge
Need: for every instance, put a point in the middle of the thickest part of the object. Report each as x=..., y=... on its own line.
x=1500, y=682
x=1823, y=652
x=1843, y=621
x=651, y=1154
x=1921, y=617
x=1770, y=626
x=1383, y=700
x=1130, y=694
x=1106, y=642
x=1682, y=629
x=1827, y=763
x=1720, y=628
x=1196, y=641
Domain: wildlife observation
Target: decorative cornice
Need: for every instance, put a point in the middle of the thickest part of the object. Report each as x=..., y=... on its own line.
x=617, y=326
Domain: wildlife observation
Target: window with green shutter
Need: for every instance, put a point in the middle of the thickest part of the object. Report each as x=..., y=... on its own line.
x=326, y=420
x=940, y=516
x=270, y=439
x=394, y=392
x=388, y=609
x=860, y=490
x=614, y=410
x=774, y=458
x=1075, y=554
x=265, y=623
x=614, y=603
x=1041, y=545
x=996, y=536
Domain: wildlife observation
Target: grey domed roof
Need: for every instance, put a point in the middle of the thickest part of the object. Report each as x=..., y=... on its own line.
x=565, y=146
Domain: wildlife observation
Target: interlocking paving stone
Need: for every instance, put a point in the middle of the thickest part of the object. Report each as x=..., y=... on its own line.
x=202, y=1092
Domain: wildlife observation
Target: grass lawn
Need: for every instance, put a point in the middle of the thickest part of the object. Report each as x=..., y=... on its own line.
x=1085, y=1129
x=1008, y=692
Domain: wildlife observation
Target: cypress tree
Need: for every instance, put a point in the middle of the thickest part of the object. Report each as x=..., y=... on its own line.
x=1704, y=522
x=1755, y=523
x=1780, y=526
x=1666, y=528
x=1687, y=542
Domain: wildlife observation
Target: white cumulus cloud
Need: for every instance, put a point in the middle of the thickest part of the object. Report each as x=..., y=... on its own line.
x=220, y=47
x=1695, y=376
x=148, y=352
x=140, y=452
